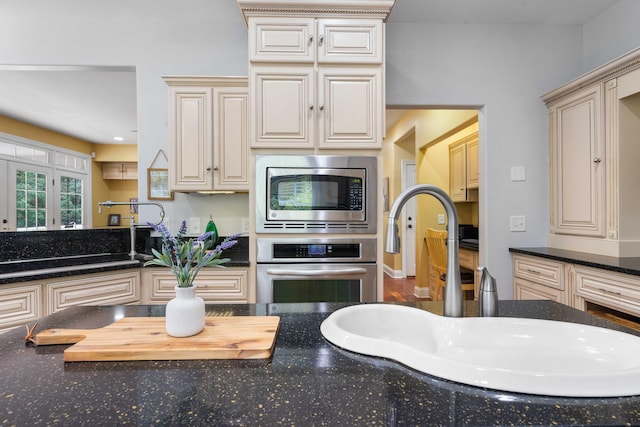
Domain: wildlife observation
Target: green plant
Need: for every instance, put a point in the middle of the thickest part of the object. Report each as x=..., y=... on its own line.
x=185, y=257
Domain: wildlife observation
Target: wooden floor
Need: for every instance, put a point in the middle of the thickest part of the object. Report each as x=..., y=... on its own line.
x=400, y=289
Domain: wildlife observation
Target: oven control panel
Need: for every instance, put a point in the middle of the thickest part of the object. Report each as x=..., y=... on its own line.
x=313, y=250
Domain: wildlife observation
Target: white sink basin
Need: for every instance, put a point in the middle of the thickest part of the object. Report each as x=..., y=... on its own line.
x=510, y=354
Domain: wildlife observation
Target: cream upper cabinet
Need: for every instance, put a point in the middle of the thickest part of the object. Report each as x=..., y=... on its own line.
x=577, y=163
x=208, y=133
x=463, y=169
x=316, y=82
x=119, y=170
x=458, y=172
x=473, y=176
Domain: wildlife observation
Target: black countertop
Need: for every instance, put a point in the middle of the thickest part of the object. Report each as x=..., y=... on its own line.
x=628, y=265
x=307, y=381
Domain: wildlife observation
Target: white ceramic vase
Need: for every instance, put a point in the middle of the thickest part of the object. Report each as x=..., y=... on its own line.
x=185, y=313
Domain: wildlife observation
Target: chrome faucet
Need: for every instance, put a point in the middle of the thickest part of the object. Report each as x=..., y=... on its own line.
x=132, y=224
x=453, y=283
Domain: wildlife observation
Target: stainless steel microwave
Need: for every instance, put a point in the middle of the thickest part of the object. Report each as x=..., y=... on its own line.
x=319, y=194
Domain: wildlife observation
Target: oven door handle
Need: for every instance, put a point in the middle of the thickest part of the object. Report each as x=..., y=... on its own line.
x=338, y=272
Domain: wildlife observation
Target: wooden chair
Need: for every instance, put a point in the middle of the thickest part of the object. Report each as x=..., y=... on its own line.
x=437, y=246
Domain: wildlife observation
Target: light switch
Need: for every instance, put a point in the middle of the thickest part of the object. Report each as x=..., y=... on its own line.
x=518, y=223
x=440, y=218
x=518, y=173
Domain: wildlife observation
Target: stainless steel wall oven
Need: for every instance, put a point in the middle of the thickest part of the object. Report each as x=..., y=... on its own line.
x=318, y=194
x=316, y=270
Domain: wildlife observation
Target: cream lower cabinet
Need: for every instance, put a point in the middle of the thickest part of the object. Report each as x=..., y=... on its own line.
x=214, y=285
x=93, y=289
x=610, y=289
x=20, y=304
x=537, y=278
x=208, y=133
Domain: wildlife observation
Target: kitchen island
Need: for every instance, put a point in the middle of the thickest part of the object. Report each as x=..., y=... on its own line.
x=306, y=382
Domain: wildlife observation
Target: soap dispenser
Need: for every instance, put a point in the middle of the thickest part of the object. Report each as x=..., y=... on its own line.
x=488, y=298
x=211, y=227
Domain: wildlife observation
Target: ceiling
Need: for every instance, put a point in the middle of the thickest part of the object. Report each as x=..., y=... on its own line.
x=99, y=103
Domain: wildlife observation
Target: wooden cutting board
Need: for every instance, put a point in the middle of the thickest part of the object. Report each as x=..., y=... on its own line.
x=145, y=338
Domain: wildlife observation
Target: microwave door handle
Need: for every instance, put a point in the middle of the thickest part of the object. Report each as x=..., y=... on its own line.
x=306, y=273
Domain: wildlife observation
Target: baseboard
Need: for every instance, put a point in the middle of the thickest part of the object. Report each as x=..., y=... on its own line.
x=394, y=274
x=422, y=292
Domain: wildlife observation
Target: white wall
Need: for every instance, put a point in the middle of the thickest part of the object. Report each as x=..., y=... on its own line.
x=502, y=68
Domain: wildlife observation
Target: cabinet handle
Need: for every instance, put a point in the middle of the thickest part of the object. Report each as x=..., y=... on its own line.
x=532, y=271
x=597, y=160
x=320, y=39
x=310, y=38
x=606, y=291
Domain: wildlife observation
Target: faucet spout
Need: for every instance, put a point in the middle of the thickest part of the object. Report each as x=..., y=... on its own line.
x=453, y=283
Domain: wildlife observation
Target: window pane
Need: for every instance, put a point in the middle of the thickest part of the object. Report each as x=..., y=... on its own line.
x=71, y=201
x=31, y=200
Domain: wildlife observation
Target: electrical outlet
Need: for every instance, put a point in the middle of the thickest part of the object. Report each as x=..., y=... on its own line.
x=194, y=226
x=440, y=218
x=517, y=223
x=244, y=228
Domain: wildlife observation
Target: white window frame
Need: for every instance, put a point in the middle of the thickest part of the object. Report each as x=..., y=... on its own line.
x=15, y=154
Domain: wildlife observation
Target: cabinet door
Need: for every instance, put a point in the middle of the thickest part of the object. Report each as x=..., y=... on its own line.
x=282, y=107
x=458, y=173
x=111, y=170
x=354, y=41
x=19, y=304
x=349, y=113
x=577, y=169
x=231, y=139
x=130, y=170
x=281, y=39
x=190, y=139
x=473, y=178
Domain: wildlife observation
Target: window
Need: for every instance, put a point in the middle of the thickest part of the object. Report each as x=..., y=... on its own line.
x=48, y=187
x=31, y=200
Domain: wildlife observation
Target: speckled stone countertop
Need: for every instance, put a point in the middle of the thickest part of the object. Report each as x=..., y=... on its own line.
x=628, y=265
x=307, y=381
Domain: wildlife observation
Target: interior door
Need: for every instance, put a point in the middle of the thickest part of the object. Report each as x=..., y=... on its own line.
x=409, y=221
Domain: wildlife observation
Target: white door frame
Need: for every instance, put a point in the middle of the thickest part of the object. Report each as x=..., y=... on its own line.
x=409, y=251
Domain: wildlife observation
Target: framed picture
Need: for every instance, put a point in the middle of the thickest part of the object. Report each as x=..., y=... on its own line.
x=158, y=184
x=114, y=219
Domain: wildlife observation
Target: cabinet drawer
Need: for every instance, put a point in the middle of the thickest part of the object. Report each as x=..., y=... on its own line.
x=19, y=304
x=468, y=259
x=527, y=290
x=223, y=285
x=614, y=290
x=93, y=290
x=281, y=39
x=548, y=273
x=350, y=40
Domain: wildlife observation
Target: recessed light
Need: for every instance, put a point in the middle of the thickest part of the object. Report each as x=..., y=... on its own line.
x=118, y=138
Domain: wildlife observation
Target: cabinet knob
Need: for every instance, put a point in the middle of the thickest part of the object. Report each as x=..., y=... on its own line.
x=208, y=168
x=321, y=108
x=215, y=168
x=597, y=160
x=310, y=107
x=310, y=38
x=320, y=39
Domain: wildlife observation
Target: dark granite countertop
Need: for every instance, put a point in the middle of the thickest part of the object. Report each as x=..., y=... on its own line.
x=628, y=265
x=307, y=381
